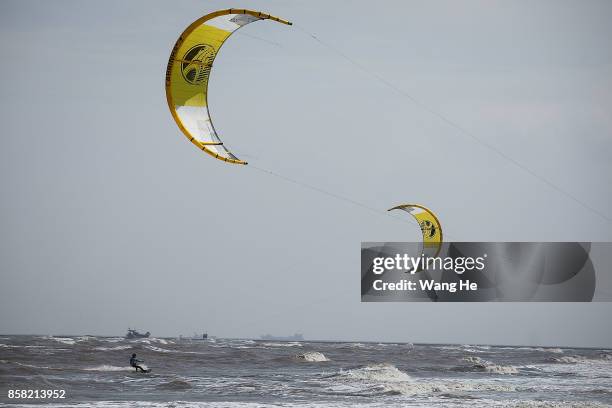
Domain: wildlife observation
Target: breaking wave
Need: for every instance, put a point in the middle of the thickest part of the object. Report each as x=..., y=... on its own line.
x=568, y=359
x=312, y=357
x=388, y=379
x=480, y=364
x=377, y=372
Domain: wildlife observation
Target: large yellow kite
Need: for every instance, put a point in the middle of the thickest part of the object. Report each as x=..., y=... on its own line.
x=189, y=69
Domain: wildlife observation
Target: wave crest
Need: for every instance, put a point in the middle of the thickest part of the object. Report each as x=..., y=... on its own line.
x=489, y=367
x=64, y=340
x=568, y=359
x=378, y=373
x=312, y=357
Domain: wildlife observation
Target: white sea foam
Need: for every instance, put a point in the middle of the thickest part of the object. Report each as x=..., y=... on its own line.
x=499, y=369
x=112, y=348
x=85, y=338
x=162, y=341
x=314, y=404
x=551, y=350
x=106, y=367
x=490, y=367
x=474, y=360
x=444, y=387
x=312, y=357
x=357, y=345
x=552, y=404
x=160, y=350
x=18, y=346
x=233, y=343
x=163, y=350
x=569, y=359
x=149, y=340
x=143, y=341
x=64, y=340
x=451, y=348
x=388, y=379
x=555, y=350
x=378, y=373
x=475, y=349
x=112, y=339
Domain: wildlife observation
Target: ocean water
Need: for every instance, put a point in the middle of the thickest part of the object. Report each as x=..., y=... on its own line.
x=95, y=372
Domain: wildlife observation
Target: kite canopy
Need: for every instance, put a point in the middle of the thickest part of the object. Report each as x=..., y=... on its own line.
x=430, y=227
x=188, y=72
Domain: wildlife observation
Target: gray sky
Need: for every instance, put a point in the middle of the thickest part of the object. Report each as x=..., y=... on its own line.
x=110, y=218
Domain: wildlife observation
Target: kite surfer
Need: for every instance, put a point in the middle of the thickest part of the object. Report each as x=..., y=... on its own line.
x=134, y=363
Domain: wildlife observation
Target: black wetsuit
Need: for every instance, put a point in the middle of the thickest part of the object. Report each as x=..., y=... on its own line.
x=134, y=363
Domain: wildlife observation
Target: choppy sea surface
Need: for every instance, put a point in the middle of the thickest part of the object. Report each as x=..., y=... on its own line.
x=95, y=372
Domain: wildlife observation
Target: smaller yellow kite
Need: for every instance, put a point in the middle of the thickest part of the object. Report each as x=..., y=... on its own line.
x=430, y=227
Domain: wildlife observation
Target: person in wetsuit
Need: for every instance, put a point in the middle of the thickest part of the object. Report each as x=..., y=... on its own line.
x=134, y=363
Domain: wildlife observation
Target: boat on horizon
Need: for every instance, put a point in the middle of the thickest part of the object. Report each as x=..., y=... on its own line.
x=134, y=334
